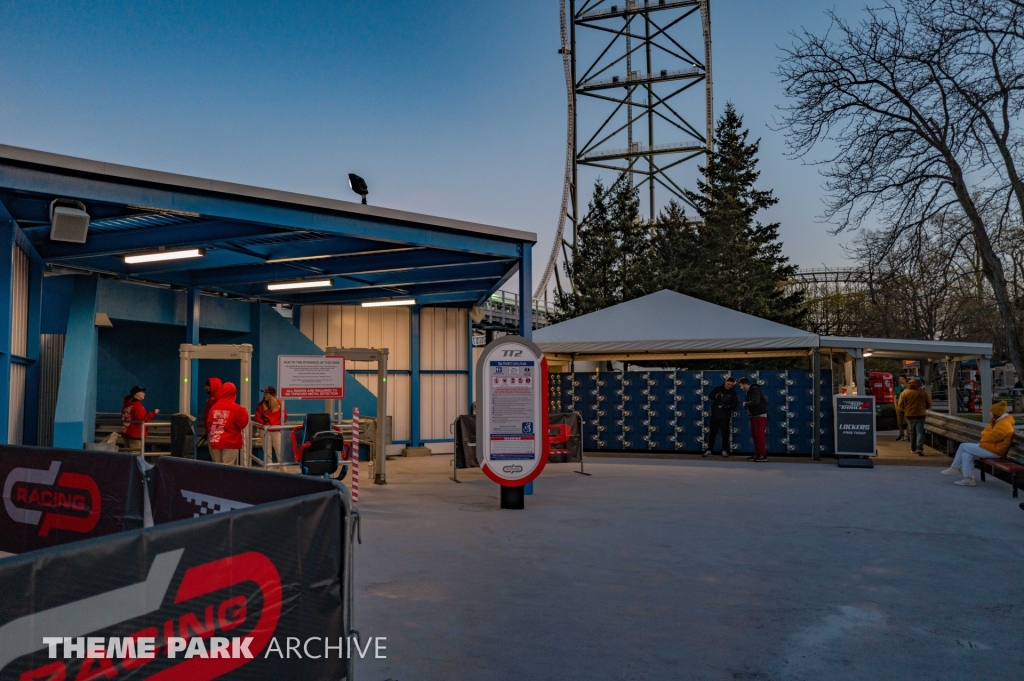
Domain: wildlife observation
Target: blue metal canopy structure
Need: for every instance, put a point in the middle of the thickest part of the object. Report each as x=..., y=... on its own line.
x=254, y=237
x=250, y=238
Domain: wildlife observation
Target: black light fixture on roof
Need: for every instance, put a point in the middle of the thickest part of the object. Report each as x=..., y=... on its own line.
x=358, y=185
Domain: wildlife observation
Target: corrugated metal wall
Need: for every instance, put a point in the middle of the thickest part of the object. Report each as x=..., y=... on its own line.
x=51, y=356
x=19, y=344
x=358, y=327
x=443, y=347
x=443, y=353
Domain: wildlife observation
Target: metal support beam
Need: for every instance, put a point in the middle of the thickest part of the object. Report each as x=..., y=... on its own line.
x=526, y=291
x=952, y=382
x=816, y=377
x=74, y=422
x=192, y=322
x=414, y=389
x=469, y=364
x=35, y=326
x=7, y=229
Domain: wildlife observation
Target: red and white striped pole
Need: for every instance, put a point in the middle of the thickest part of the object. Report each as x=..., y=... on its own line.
x=355, y=454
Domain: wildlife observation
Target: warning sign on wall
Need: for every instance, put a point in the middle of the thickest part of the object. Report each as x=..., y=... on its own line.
x=309, y=377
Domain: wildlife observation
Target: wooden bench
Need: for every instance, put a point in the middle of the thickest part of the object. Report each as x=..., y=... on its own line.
x=1013, y=471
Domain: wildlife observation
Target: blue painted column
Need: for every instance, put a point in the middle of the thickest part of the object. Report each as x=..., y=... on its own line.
x=256, y=335
x=414, y=389
x=7, y=229
x=469, y=365
x=297, y=316
x=526, y=307
x=75, y=420
x=526, y=291
x=192, y=320
x=35, y=328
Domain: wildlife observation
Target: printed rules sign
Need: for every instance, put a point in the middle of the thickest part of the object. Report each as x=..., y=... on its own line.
x=308, y=377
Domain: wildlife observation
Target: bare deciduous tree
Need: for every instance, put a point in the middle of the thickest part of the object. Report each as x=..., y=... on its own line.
x=919, y=100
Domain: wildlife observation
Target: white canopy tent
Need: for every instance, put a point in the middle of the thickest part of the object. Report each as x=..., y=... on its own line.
x=671, y=326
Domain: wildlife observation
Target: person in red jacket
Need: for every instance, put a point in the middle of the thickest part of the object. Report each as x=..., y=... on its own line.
x=212, y=388
x=228, y=421
x=271, y=412
x=133, y=415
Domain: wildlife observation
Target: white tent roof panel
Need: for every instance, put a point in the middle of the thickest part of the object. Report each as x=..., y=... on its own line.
x=667, y=321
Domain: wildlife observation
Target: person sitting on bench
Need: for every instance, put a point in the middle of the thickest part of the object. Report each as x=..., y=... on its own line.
x=995, y=442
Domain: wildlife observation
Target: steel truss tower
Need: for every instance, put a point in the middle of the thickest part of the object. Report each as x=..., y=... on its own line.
x=635, y=105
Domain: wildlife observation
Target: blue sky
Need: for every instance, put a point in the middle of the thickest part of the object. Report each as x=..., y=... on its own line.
x=454, y=108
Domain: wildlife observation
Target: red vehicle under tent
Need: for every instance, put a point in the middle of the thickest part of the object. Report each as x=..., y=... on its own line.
x=882, y=386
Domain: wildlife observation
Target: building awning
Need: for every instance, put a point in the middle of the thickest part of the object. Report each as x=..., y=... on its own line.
x=253, y=237
x=895, y=348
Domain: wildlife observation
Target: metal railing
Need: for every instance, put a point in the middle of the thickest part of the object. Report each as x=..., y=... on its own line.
x=502, y=310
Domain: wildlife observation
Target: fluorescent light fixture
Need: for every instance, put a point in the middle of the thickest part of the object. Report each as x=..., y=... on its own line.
x=389, y=303
x=158, y=256
x=308, y=283
x=868, y=353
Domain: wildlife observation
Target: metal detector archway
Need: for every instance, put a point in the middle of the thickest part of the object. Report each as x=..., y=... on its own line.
x=380, y=356
x=243, y=354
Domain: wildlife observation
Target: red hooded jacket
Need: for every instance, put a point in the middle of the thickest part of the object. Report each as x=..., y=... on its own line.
x=228, y=420
x=134, y=411
x=215, y=384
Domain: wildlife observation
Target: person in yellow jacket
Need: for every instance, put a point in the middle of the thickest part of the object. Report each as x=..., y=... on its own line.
x=995, y=442
x=915, y=403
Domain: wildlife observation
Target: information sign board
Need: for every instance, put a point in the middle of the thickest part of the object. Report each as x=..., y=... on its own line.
x=310, y=377
x=855, y=425
x=512, y=431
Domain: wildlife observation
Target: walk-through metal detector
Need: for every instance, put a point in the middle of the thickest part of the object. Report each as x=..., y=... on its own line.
x=380, y=356
x=241, y=353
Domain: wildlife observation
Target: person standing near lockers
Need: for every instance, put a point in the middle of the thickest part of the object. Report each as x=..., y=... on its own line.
x=757, y=406
x=901, y=415
x=133, y=415
x=271, y=412
x=228, y=421
x=723, y=401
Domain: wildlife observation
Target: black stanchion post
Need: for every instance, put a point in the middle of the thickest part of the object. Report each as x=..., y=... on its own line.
x=513, y=498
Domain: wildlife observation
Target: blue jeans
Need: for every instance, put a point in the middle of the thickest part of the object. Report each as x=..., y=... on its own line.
x=967, y=453
x=916, y=428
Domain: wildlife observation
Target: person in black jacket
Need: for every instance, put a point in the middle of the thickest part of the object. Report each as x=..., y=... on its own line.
x=757, y=406
x=723, y=400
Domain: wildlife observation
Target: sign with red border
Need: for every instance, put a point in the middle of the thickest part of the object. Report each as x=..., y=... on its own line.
x=309, y=377
x=512, y=415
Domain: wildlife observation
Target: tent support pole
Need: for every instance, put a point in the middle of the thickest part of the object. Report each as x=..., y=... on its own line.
x=816, y=377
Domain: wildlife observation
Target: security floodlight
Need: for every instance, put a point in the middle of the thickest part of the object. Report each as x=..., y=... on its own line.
x=358, y=185
x=68, y=221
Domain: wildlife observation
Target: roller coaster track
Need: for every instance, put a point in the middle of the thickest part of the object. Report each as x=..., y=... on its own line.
x=589, y=15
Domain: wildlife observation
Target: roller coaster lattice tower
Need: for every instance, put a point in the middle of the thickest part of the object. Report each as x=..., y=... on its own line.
x=632, y=69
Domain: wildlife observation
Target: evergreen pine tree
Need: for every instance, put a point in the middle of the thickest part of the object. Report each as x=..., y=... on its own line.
x=611, y=257
x=739, y=262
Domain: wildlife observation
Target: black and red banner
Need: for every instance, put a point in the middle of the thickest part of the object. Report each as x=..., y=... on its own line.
x=182, y=488
x=264, y=566
x=565, y=431
x=565, y=439
x=55, y=496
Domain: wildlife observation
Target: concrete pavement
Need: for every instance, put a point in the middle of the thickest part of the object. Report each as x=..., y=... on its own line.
x=691, y=570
